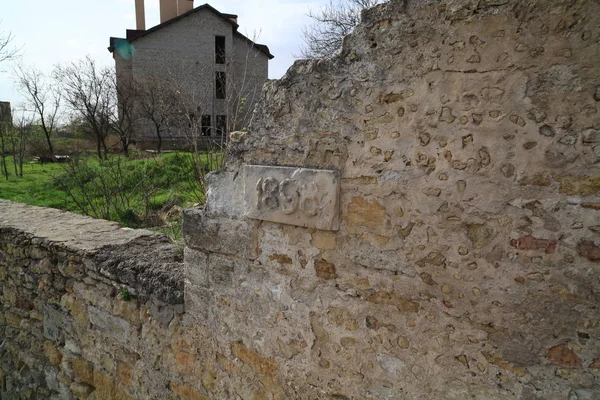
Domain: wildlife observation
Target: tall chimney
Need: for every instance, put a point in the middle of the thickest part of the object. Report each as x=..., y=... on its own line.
x=168, y=10
x=140, y=15
x=184, y=6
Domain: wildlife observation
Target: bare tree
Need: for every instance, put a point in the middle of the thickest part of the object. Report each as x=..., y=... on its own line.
x=42, y=99
x=244, y=70
x=245, y=87
x=4, y=151
x=7, y=52
x=21, y=132
x=5, y=133
x=87, y=88
x=323, y=38
x=158, y=105
x=125, y=118
x=207, y=144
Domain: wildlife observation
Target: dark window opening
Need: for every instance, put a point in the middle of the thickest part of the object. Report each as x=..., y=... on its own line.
x=221, y=125
x=220, y=49
x=220, y=84
x=205, y=125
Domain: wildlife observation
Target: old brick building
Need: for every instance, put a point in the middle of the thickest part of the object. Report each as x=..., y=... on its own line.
x=198, y=73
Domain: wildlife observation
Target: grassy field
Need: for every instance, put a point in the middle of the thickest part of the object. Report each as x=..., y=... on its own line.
x=35, y=187
x=137, y=192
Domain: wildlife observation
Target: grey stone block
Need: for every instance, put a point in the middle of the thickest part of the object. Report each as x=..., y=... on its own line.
x=51, y=381
x=196, y=267
x=197, y=302
x=162, y=313
x=225, y=194
x=220, y=270
x=223, y=235
x=56, y=323
x=115, y=327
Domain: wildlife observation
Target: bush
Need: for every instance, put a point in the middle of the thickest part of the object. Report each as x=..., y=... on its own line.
x=132, y=191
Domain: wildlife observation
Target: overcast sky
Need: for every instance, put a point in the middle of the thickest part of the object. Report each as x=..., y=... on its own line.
x=58, y=31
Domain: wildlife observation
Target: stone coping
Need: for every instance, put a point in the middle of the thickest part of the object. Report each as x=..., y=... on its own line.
x=146, y=261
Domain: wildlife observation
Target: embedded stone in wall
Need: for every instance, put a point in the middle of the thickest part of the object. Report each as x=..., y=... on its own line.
x=295, y=196
x=55, y=323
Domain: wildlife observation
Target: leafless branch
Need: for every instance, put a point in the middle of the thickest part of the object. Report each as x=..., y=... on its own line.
x=124, y=119
x=86, y=88
x=42, y=99
x=157, y=100
x=323, y=38
x=7, y=52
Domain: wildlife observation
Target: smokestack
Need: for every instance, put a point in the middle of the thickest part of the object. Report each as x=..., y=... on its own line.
x=168, y=10
x=140, y=15
x=184, y=6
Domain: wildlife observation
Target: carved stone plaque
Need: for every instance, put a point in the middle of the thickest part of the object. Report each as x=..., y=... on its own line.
x=295, y=196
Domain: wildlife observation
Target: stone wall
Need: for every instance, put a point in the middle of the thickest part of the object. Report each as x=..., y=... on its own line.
x=89, y=310
x=466, y=136
x=448, y=156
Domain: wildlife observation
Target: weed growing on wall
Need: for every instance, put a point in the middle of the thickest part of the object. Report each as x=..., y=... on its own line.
x=124, y=294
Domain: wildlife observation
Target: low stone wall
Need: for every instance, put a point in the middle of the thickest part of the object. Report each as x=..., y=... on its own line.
x=433, y=235
x=89, y=310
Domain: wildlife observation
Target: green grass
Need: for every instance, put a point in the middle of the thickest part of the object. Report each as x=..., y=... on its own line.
x=138, y=186
x=35, y=187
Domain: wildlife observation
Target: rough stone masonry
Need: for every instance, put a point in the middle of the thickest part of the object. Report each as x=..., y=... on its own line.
x=466, y=135
x=89, y=310
x=434, y=235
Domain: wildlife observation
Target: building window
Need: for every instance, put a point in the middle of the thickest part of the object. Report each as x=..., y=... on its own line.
x=220, y=49
x=205, y=125
x=221, y=125
x=220, y=84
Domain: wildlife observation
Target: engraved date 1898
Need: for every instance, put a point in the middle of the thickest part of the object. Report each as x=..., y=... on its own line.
x=288, y=196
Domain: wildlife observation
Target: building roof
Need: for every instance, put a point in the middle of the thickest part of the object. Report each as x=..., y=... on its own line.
x=133, y=35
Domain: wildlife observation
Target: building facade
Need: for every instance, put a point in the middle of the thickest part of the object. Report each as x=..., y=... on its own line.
x=193, y=76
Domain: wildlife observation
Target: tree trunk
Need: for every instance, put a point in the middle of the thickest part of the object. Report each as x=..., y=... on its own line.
x=15, y=163
x=21, y=155
x=50, y=147
x=98, y=148
x=3, y=155
x=159, y=137
x=105, y=148
x=4, y=168
x=125, y=144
